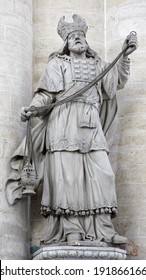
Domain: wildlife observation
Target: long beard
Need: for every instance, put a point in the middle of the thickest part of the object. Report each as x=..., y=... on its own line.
x=78, y=48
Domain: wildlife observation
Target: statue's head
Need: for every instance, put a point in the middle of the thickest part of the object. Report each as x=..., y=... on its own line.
x=74, y=33
x=74, y=36
x=65, y=28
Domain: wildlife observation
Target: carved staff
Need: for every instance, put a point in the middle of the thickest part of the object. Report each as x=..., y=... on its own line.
x=46, y=109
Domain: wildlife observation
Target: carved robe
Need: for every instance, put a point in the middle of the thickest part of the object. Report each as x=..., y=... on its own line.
x=78, y=182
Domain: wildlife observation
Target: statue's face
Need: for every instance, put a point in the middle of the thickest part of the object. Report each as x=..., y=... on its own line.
x=77, y=42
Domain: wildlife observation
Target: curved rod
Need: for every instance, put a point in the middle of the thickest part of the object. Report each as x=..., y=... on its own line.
x=46, y=109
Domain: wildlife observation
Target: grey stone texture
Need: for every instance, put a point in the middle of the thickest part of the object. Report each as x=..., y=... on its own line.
x=109, y=22
x=15, y=88
x=77, y=253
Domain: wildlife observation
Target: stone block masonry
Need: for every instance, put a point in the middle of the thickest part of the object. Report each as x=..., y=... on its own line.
x=15, y=92
x=129, y=151
x=23, y=41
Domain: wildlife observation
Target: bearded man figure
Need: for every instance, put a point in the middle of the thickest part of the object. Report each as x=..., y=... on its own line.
x=79, y=197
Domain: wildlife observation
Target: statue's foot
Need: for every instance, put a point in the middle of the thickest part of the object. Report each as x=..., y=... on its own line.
x=118, y=239
x=73, y=239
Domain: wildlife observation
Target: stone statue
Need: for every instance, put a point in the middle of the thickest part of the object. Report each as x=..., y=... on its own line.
x=72, y=141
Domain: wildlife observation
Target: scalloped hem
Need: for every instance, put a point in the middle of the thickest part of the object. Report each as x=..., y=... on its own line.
x=46, y=211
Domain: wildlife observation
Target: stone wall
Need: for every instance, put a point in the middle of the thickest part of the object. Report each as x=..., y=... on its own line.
x=109, y=23
x=15, y=92
x=129, y=150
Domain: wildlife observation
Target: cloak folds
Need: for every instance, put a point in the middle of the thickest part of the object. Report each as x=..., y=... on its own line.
x=13, y=188
x=63, y=122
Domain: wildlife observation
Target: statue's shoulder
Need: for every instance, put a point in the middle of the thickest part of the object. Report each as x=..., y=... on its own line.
x=60, y=57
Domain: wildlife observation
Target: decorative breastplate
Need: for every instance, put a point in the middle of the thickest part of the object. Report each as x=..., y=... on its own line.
x=83, y=70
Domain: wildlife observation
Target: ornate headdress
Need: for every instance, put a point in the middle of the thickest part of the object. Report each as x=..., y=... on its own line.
x=64, y=28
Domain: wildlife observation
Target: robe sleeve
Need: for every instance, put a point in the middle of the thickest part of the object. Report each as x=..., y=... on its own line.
x=116, y=78
x=113, y=81
x=123, y=67
x=51, y=83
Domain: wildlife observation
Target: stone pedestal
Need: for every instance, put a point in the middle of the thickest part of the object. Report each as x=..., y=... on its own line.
x=77, y=252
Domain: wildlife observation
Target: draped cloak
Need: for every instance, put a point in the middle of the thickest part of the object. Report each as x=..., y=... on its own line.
x=71, y=143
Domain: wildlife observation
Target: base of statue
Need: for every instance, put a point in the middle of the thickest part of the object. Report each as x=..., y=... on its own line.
x=79, y=252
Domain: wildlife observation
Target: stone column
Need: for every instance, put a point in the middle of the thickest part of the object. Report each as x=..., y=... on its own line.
x=46, y=40
x=15, y=92
x=129, y=151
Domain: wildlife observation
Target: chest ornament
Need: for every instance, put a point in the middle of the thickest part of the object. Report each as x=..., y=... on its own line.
x=83, y=70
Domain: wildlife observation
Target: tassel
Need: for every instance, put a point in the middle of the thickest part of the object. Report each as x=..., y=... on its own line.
x=101, y=211
x=97, y=211
x=58, y=211
x=91, y=212
x=76, y=214
x=106, y=210
x=114, y=210
x=67, y=211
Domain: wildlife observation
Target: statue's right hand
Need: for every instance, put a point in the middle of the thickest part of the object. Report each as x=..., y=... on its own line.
x=25, y=114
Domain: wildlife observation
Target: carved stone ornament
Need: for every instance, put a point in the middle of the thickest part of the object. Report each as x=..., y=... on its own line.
x=64, y=28
x=76, y=252
x=68, y=149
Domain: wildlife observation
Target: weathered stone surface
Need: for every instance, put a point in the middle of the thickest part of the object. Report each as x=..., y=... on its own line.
x=138, y=251
x=19, y=37
x=15, y=85
x=138, y=12
x=128, y=155
x=14, y=234
x=121, y=3
x=15, y=89
x=132, y=124
x=8, y=6
x=132, y=173
x=89, y=5
x=15, y=21
x=24, y=10
x=79, y=253
x=2, y=32
x=46, y=38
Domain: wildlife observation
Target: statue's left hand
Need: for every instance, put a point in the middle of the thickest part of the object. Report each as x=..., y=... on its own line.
x=131, y=42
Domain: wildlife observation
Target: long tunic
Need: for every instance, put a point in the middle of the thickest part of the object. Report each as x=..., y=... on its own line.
x=78, y=178
x=71, y=151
